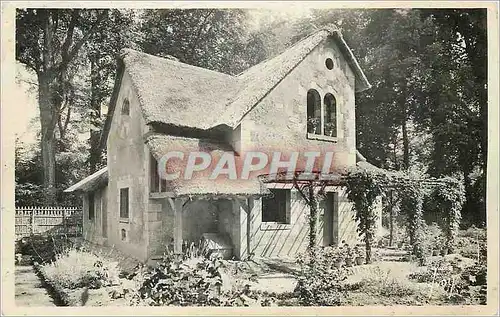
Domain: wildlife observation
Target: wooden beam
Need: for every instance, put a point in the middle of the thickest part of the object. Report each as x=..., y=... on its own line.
x=243, y=204
x=247, y=206
x=177, y=206
x=161, y=195
x=249, y=226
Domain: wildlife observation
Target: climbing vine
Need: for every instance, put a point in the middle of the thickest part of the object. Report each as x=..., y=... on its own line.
x=363, y=189
x=449, y=198
x=411, y=204
x=364, y=186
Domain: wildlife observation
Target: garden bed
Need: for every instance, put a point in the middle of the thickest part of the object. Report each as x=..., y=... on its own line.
x=83, y=296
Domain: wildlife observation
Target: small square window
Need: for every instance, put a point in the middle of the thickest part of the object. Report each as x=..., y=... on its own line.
x=124, y=203
x=276, y=207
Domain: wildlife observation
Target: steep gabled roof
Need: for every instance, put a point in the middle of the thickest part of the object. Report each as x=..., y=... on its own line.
x=176, y=93
x=258, y=80
x=179, y=94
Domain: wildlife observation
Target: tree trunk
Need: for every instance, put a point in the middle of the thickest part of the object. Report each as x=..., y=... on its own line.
x=391, y=220
x=406, y=142
x=368, y=243
x=95, y=106
x=48, y=142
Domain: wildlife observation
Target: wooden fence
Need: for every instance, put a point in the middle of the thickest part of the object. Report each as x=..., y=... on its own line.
x=48, y=221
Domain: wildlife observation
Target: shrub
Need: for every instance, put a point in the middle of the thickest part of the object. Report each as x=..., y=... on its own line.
x=78, y=268
x=457, y=279
x=475, y=233
x=380, y=288
x=472, y=243
x=433, y=239
x=194, y=281
x=320, y=281
x=43, y=249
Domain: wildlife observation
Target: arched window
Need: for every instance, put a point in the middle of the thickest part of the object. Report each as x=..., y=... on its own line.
x=313, y=112
x=330, y=115
x=126, y=107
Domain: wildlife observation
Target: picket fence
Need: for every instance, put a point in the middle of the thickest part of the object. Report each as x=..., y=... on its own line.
x=48, y=221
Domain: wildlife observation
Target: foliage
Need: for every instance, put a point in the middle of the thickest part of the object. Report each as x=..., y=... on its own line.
x=462, y=282
x=363, y=189
x=472, y=243
x=196, y=279
x=411, y=205
x=207, y=38
x=432, y=239
x=49, y=41
x=320, y=282
x=191, y=282
x=449, y=198
x=379, y=288
x=365, y=185
x=43, y=249
x=79, y=268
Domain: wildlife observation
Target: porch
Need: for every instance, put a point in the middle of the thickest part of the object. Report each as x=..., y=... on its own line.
x=220, y=222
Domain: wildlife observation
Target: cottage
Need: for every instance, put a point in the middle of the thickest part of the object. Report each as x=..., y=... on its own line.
x=300, y=100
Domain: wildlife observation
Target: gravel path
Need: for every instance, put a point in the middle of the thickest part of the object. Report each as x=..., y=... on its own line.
x=29, y=290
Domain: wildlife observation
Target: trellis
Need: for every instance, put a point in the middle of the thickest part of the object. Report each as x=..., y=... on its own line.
x=364, y=186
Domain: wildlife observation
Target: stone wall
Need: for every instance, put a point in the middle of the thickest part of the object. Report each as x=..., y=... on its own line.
x=127, y=166
x=199, y=217
x=279, y=121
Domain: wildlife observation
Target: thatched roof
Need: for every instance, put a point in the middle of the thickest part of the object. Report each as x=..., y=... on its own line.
x=258, y=80
x=179, y=94
x=176, y=93
x=90, y=183
x=200, y=184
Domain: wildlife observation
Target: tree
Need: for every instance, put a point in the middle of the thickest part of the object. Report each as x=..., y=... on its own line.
x=101, y=51
x=457, y=101
x=201, y=37
x=48, y=41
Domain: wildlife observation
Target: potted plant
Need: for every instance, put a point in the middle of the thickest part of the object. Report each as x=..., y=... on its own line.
x=339, y=258
x=349, y=257
x=360, y=256
x=313, y=124
x=330, y=128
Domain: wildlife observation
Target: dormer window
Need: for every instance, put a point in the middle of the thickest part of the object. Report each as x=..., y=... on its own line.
x=126, y=107
x=313, y=112
x=330, y=115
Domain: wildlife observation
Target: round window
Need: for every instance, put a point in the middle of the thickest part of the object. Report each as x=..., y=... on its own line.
x=329, y=63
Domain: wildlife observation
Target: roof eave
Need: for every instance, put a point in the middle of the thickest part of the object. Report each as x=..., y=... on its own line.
x=88, y=182
x=112, y=104
x=362, y=82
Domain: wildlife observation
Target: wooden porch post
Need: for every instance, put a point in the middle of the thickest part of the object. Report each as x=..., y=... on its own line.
x=248, y=210
x=177, y=206
x=249, y=226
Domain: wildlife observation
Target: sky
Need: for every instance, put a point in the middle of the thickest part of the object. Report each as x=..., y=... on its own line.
x=26, y=123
